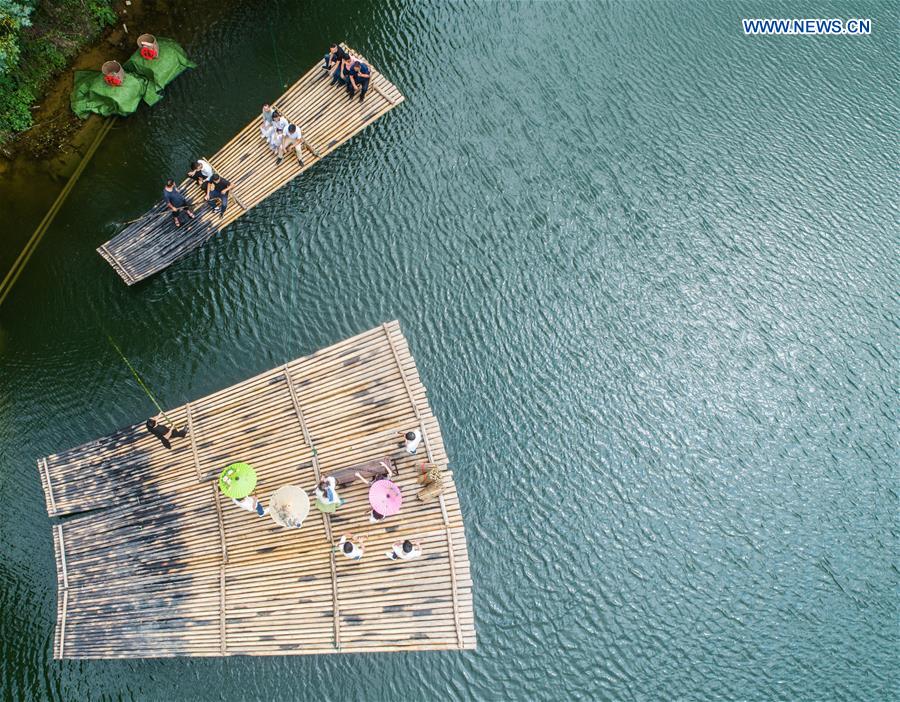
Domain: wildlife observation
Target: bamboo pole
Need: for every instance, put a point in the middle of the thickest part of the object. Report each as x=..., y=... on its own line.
x=52, y=501
x=451, y=557
x=222, y=635
x=62, y=628
x=62, y=556
x=217, y=496
x=193, y=438
x=22, y=259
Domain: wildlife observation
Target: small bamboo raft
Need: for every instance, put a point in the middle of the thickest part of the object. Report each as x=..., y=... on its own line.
x=163, y=565
x=327, y=119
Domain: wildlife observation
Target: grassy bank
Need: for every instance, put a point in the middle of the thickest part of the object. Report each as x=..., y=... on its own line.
x=38, y=39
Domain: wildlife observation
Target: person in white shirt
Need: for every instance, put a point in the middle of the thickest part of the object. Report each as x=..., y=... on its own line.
x=292, y=138
x=202, y=172
x=411, y=440
x=352, y=546
x=405, y=550
x=251, y=504
x=279, y=125
x=327, y=498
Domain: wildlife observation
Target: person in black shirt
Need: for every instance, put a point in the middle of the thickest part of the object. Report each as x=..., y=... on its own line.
x=218, y=190
x=341, y=75
x=335, y=54
x=176, y=202
x=164, y=433
x=359, y=76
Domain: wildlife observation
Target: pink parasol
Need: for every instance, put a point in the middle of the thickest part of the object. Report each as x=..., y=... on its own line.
x=385, y=497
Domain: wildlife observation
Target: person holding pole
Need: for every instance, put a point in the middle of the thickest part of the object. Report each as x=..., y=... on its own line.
x=164, y=433
x=176, y=202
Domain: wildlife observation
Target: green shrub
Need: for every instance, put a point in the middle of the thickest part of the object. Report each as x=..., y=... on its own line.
x=102, y=13
x=15, y=107
x=13, y=16
x=29, y=59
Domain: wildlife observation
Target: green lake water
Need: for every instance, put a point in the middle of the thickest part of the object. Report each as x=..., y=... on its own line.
x=648, y=269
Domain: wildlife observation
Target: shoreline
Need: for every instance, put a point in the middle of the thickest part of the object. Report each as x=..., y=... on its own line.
x=36, y=164
x=57, y=139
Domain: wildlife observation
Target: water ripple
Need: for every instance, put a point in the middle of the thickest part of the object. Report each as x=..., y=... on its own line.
x=645, y=266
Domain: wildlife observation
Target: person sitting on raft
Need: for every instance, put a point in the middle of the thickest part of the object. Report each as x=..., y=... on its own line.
x=352, y=546
x=405, y=550
x=279, y=125
x=335, y=54
x=358, y=79
x=292, y=139
x=265, y=129
x=375, y=517
x=327, y=499
x=164, y=433
x=201, y=172
x=176, y=202
x=251, y=503
x=342, y=72
x=217, y=189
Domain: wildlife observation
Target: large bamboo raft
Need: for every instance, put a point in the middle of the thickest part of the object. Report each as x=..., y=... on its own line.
x=161, y=564
x=327, y=119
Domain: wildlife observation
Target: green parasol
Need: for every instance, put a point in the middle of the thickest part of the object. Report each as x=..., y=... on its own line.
x=238, y=480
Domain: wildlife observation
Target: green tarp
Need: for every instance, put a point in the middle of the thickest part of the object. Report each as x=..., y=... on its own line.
x=92, y=94
x=162, y=70
x=143, y=80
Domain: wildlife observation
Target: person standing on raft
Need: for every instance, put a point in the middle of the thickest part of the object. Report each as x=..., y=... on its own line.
x=411, y=440
x=327, y=499
x=268, y=115
x=405, y=550
x=164, y=433
x=176, y=202
x=276, y=131
x=251, y=503
x=352, y=546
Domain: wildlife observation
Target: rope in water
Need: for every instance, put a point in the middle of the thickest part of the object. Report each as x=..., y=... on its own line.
x=140, y=382
x=275, y=47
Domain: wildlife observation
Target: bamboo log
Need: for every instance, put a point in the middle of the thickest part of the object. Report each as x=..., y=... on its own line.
x=46, y=474
x=62, y=556
x=193, y=438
